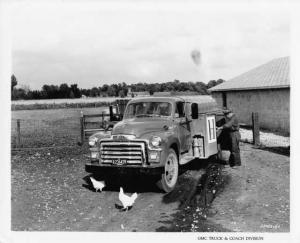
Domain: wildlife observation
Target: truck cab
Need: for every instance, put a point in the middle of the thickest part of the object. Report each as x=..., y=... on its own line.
x=156, y=136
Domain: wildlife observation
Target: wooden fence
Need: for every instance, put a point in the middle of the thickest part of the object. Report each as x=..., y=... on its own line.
x=90, y=124
x=70, y=131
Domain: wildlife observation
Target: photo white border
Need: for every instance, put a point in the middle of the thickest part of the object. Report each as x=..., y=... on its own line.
x=5, y=71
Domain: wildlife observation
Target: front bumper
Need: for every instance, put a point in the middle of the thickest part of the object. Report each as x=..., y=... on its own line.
x=115, y=169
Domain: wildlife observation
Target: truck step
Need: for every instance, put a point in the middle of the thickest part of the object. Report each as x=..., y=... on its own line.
x=185, y=158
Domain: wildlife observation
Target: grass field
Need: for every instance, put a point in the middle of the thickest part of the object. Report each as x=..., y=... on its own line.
x=57, y=127
x=55, y=114
x=60, y=101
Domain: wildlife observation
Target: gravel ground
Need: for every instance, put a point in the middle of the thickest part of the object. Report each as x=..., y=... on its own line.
x=50, y=192
x=256, y=195
x=266, y=138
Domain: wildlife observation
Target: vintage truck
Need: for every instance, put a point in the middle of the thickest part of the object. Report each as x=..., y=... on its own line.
x=156, y=136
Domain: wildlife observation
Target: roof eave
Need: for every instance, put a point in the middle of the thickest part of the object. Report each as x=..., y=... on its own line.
x=251, y=88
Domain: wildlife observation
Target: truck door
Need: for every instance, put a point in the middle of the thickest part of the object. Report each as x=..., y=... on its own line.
x=183, y=127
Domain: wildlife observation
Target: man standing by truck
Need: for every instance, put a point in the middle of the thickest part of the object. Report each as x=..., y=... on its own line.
x=230, y=131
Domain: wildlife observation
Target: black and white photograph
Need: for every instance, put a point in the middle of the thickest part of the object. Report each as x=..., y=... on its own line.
x=148, y=116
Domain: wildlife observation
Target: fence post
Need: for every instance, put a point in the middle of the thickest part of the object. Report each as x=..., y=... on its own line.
x=111, y=115
x=255, y=128
x=102, y=122
x=18, y=134
x=82, y=127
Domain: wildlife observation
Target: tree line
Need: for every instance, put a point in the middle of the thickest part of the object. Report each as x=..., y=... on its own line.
x=107, y=90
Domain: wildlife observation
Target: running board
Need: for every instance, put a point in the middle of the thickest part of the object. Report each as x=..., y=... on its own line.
x=187, y=157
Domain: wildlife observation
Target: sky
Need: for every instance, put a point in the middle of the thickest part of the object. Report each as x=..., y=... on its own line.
x=93, y=43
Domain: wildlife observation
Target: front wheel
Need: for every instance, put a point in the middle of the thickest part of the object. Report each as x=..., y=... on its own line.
x=170, y=176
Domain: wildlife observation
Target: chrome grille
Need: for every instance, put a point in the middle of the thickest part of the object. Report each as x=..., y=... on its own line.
x=130, y=152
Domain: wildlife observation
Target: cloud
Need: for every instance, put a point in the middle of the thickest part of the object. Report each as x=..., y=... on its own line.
x=92, y=43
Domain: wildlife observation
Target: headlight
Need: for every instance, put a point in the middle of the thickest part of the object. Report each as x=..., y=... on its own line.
x=92, y=141
x=155, y=141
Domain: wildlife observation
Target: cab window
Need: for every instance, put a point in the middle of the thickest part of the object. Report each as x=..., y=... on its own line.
x=180, y=109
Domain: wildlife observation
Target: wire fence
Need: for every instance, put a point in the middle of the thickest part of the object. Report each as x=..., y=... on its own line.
x=27, y=133
x=67, y=131
x=57, y=127
x=268, y=139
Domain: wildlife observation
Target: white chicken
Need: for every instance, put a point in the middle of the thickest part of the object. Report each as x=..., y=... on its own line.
x=127, y=201
x=98, y=185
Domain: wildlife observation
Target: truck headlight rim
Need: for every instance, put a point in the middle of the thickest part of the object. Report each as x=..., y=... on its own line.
x=155, y=141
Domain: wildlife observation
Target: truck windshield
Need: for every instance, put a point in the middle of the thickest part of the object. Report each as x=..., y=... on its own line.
x=148, y=109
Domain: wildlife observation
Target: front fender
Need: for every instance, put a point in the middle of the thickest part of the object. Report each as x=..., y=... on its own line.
x=100, y=135
x=169, y=139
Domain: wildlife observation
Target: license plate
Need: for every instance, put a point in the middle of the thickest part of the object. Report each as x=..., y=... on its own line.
x=119, y=161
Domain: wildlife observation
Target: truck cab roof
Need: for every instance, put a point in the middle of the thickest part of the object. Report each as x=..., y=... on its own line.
x=206, y=104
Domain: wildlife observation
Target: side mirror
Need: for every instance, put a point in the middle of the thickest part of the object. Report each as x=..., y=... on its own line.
x=194, y=111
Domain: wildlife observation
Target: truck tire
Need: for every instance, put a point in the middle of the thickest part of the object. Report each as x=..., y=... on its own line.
x=169, y=178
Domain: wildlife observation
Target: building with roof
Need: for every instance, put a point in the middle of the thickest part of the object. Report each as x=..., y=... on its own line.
x=264, y=89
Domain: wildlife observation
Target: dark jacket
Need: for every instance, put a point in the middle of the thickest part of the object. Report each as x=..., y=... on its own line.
x=231, y=124
x=229, y=139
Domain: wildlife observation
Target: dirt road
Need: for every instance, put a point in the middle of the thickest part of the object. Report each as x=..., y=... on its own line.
x=256, y=197
x=51, y=192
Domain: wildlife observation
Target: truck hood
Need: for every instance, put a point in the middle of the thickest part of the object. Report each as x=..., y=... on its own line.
x=141, y=126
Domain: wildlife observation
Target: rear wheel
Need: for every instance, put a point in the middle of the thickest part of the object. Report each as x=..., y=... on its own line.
x=170, y=176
